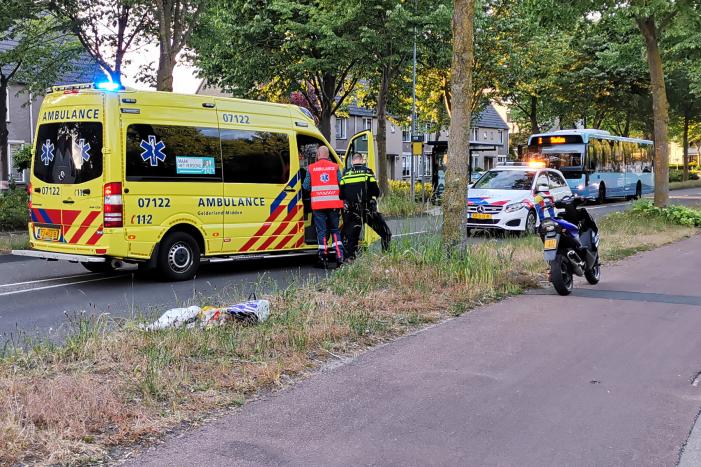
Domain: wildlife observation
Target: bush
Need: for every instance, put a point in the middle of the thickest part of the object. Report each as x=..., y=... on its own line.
x=13, y=209
x=678, y=175
x=23, y=158
x=402, y=189
x=680, y=215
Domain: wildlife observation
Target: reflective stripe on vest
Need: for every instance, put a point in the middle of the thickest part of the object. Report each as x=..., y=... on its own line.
x=325, y=193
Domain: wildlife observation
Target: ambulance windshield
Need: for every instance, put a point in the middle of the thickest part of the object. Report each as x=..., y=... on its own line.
x=68, y=152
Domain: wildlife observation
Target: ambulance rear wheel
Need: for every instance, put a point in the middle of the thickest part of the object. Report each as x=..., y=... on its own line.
x=178, y=257
x=107, y=266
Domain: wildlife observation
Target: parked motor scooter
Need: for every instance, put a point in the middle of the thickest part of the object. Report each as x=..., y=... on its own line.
x=570, y=245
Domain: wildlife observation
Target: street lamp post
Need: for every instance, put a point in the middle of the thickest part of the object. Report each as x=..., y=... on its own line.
x=413, y=122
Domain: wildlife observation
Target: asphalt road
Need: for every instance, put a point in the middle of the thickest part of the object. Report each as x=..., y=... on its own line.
x=603, y=377
x=41, y=299
x=36, y=296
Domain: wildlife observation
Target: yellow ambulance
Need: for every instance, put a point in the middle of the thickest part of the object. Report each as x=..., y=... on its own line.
x=168, y=180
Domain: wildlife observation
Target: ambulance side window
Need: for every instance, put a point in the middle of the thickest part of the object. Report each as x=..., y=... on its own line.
x=173, y=153
x=255, y=157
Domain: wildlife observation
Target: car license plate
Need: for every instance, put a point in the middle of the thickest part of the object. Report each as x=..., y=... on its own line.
x=550, y=244
x=48, y=234
x=479, y=215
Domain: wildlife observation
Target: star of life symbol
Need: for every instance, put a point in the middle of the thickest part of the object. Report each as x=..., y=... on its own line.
x=324, y=178
x=47, y=152
x=84, y=148
x=153, y=151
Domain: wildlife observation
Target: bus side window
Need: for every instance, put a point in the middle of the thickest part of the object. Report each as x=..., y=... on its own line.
x=592, y=156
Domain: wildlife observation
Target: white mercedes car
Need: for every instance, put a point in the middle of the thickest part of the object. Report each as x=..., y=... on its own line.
x=504, y=197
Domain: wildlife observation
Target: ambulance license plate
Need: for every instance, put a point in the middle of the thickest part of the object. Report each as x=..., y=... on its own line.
x=479, y=215
x=550, y=244
x=49, y=234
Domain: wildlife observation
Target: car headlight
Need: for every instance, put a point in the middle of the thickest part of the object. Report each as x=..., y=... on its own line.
x=513, y=207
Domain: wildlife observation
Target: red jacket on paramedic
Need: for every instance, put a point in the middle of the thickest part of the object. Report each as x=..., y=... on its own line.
x=325, y=192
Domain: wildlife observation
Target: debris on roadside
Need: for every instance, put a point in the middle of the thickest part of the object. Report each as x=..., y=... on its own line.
x=249, y=312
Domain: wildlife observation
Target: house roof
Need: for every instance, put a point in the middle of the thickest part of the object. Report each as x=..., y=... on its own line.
x=356, y=111
x=84, y=69
x=489, y=118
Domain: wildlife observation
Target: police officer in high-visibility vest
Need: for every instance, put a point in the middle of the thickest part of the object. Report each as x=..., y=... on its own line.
x=359, y=191
x=322, y=180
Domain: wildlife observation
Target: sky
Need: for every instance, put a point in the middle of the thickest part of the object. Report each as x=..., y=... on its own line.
x=184, y=79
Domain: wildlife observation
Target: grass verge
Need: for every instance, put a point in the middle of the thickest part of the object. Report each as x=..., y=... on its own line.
x=111, y=383
x=398, y=205
x=683, y=185
x=13, y=241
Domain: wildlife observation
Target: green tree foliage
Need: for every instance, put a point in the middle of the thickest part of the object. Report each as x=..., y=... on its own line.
x=654, y=19
x=682, y=49
x=108, y=29
x=270, y=48
x=387, y=32
x=39, y=51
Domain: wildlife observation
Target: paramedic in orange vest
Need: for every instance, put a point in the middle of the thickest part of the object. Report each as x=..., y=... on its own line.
x=322, y=180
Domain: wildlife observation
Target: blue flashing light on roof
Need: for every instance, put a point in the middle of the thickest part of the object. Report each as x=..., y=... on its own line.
x=108, y=86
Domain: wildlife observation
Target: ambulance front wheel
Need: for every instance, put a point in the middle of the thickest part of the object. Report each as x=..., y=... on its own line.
x=178, y=257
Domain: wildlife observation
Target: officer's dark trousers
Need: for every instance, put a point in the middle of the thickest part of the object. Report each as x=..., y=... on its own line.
x=353, y=219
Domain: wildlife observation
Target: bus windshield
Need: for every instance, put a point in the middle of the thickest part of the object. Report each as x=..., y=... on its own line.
x=556, y=157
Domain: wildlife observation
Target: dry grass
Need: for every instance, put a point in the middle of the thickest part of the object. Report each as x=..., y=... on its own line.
x=108, y=387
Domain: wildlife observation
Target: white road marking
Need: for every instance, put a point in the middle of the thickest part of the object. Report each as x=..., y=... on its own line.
x=14, y=292
x=410, y=233
x=51, y=279
x=612, y=205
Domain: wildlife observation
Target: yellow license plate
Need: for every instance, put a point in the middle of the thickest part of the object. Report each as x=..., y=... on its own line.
x=478, y=215
x=550, y=243
x=48, y=234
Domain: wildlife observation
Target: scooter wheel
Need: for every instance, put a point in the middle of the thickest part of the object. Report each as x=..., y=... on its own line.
x=561, y=275
x=593, y=275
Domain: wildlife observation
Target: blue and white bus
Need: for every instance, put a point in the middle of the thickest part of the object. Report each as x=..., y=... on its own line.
x=596, y=164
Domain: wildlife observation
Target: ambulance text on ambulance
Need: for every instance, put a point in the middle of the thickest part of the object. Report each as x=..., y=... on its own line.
x=220, y=202
x=71, y=114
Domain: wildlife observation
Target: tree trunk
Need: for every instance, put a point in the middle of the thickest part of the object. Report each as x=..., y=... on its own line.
x=626, y=129
x=382, y=130
x=166, y=57
x=4, y=133
x=456, y=181
x=533, y=115
x=685, y=143
x=164, y=77
x=327, y=102
x=660, y=110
